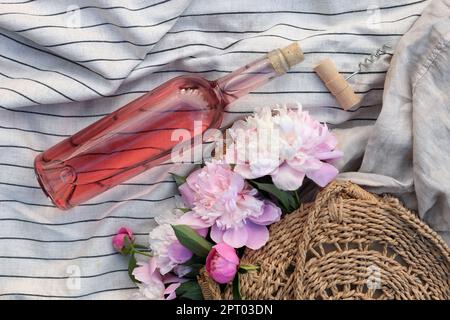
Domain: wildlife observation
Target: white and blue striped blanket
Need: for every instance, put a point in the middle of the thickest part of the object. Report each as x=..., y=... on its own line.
x=64, y=66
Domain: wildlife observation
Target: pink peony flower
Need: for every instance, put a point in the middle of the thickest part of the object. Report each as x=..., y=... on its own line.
x=288, y=146
x=153, y=284
x=119, y=239
x=222, y=263
x=221, y=199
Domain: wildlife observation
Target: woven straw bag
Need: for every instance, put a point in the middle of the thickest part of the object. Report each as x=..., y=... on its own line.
x=347, y=244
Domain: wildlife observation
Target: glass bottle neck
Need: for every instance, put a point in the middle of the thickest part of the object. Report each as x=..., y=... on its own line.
x=245, y=79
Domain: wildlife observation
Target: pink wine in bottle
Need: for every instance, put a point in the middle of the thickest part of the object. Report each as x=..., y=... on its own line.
x=138, y=136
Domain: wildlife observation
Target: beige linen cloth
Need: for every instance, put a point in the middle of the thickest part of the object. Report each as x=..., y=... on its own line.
x=407, y=152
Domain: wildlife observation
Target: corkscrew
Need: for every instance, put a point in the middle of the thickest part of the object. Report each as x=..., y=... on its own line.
x=338, y=85
x=372, y=58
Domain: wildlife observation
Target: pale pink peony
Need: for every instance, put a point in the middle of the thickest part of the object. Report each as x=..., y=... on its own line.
x=152, y=284
x=221, y=199
x=287, y=145
x=167, y=250
x=222, y=263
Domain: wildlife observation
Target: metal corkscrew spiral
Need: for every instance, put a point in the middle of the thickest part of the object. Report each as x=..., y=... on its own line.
x=371, y=59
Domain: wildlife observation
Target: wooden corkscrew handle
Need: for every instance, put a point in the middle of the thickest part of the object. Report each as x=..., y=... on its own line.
x=337, y=84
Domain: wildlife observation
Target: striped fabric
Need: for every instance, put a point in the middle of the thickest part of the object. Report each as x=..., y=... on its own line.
x=65, y=64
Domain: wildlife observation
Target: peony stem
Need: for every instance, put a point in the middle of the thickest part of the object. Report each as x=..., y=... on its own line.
x=297, y=198
x=143, y=253
x=134, y=249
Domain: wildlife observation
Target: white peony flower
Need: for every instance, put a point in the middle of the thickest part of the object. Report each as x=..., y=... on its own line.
x=166, y=249
x=287, y=145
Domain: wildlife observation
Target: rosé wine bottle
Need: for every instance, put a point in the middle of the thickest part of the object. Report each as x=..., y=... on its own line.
x=138, y=136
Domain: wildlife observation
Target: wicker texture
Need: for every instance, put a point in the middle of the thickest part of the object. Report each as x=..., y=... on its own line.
x=347, y=244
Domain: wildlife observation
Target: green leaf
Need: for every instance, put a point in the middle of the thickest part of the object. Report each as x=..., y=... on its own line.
x=285, y=198
x=244, y=268
x=184, y=210
x=127, y=246
x=194, y=272
x=191, y=240
x=140, y=246
x=189, y=290
x=236, y=289
x=195, y=263
x=131, y=265
x=127, y=241
x=195, y=260
x=179, y=180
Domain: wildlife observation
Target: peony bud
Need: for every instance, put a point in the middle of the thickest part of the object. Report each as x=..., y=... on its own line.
x=119, y=239
x=222, y=263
